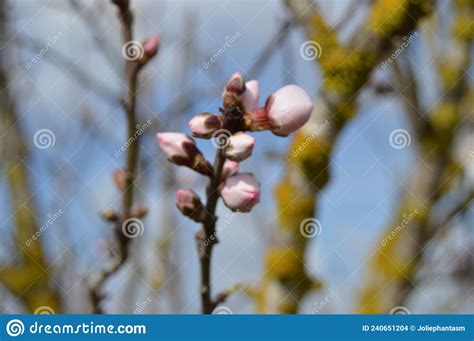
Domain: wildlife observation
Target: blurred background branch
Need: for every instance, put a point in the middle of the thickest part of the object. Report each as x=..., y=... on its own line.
x=27, y=275
x=346, y=70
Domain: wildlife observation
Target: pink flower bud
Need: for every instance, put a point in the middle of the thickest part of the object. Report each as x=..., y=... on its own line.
x=234, y=90
x=229, y=169
x=240, y=147
x=120, y=178
x=110, y=215
x=235, y=84
x=288, y=109
x=175, y=145
x=189, y=204
x=241, y=192
x=251, y=95
x=204, y=125
x=150, y=48
x=139, y=211
x=181, y=150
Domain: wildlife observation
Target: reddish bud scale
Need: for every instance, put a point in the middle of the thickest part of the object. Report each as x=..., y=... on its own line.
x=119, y=177
x=139, y=212
x=234, y=91
x=150, y=49
x=109, y=215
x=204, y=125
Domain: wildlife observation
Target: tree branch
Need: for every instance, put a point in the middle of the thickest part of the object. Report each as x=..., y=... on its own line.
x=132, y=68
x=346, y=70
x=206, y=238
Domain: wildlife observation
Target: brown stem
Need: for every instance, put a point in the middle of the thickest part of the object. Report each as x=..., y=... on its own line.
x=206, y=238
x=132, y=68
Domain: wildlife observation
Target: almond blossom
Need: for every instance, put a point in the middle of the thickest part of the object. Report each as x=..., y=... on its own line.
x=288, y=109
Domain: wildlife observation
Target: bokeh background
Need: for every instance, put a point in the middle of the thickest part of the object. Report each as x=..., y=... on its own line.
x=384, y=170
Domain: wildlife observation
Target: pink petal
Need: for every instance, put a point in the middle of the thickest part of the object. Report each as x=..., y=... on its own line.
x=289, y=109
x=241, y=192
x=251, y=95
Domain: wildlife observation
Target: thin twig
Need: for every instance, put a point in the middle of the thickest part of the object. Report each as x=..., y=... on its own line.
x=206, y=237
x=132, y=69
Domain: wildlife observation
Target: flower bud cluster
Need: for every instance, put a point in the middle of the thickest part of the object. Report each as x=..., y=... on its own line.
x=284, y=112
